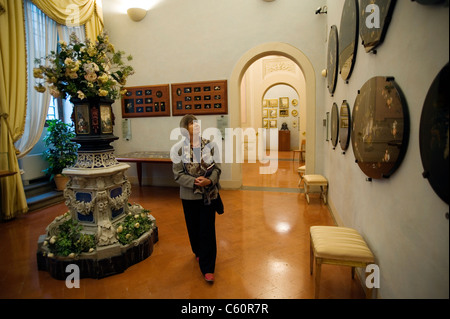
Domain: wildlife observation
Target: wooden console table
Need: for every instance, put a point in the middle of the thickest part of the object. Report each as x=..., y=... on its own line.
x=144, y=157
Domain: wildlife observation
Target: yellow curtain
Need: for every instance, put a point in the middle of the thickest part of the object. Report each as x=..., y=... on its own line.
x=75, y=13
x=13, y=94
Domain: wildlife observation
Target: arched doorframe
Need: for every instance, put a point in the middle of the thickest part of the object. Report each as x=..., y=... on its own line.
x=234, y=103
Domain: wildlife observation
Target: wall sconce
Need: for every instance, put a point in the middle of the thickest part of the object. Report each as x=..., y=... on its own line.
x=322, y=10
x=136, y=14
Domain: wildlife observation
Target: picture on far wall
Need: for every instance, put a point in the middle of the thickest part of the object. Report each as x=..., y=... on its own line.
x=200, y=98
x=284, y=102
x=146, y=101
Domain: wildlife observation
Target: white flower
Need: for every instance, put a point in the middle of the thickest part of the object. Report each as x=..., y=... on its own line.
x=136, y=216
x=91, y=250
x=53, y=240
x=136, y=225
x=45, y=243
x=50, y=255
x=71, y=255
x=119, y=229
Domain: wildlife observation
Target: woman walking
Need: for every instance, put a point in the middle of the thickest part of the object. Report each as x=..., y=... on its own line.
x=198, y=176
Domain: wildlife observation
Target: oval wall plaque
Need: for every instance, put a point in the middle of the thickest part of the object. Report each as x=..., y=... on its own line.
x=434, y=135
x=380, y=127
x=344, y=125
x=334, y=125
x=332, y=59
x=348, y=38
x=375, y=16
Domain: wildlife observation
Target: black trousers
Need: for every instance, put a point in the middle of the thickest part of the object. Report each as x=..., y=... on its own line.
x=201, y=227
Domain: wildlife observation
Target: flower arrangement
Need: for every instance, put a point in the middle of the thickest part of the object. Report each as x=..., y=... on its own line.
x=134, y=226
x=83, y=70
x=70, y=241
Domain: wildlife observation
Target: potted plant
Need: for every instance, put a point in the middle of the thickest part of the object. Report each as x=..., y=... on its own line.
x=61, y=151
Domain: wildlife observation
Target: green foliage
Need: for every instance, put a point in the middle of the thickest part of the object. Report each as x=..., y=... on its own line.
x=62, y=152
x=70, y=240
x=134, y=226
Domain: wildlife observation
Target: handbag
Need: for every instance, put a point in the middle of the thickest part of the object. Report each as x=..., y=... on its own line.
x=218, y=205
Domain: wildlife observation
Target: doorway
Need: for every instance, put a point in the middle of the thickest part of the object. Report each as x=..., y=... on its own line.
x=238, y=117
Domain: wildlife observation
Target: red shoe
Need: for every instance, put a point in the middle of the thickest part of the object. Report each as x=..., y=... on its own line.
x=209, y=277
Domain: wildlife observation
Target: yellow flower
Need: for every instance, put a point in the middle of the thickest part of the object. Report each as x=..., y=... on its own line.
x=37, y=73
x=119, y=229
x=40, y=88
x=81, y=95
x=103, y=78
x=102, y=92
x=123, y=91
x=136, y=225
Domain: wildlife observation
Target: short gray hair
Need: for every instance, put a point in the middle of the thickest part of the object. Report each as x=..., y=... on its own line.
x=186, y=120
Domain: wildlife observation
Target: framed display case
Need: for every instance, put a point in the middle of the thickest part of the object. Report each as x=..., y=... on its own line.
x=200, y=98
x=334, y=125
x=348, y=38
x=380, y=127
x=146, y=101
x=375, y=17
x=433, y=139
x=332, y=59
x=344, y=125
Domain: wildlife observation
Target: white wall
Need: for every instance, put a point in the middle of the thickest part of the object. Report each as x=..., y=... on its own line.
x=401, y=217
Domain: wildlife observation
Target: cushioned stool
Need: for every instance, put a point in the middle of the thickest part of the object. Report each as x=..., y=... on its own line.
x=316, y=180
x=301, y=171
x=338, y=246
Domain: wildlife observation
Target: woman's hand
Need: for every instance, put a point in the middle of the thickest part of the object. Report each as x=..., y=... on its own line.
x=202, y=181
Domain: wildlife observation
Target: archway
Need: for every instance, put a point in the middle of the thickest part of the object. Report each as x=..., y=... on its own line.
x=234, y=87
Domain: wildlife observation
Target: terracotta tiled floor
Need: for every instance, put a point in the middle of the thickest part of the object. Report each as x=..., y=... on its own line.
x=263, y=249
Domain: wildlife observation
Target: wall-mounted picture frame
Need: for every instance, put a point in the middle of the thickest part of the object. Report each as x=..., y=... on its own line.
x=146, y=101
x=284, y=102
x=284, y=113
x=273, y=113
x=265, y=123
x=294, y=102
x=294, y=113
x=265, y=113
x=265, y=103
x=200, y=98
x=273, y=102
x=273, y=124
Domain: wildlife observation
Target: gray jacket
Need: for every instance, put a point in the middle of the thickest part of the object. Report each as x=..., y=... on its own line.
x=186, y=181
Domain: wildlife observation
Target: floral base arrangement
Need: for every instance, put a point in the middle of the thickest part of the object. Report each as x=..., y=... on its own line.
x=65, y=243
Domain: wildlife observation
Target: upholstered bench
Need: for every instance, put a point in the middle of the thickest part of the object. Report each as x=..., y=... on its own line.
x=316, y=181
x=301, y=171
x=338, y=246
